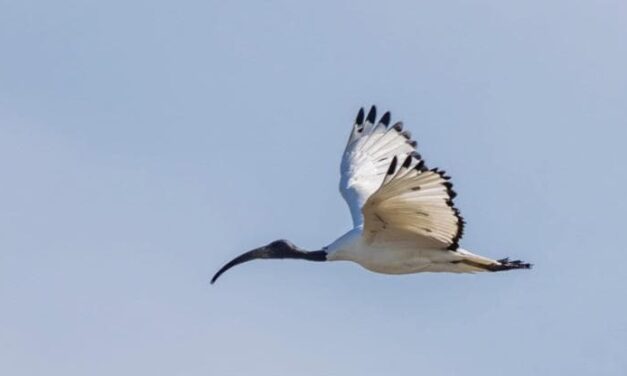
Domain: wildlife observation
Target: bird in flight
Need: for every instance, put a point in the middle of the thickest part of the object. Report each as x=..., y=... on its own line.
x=404, y=220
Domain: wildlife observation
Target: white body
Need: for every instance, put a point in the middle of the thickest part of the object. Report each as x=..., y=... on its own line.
x=400, y=257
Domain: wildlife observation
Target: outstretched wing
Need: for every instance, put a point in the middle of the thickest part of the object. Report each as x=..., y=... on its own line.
x=413, y=204
x=369, y=151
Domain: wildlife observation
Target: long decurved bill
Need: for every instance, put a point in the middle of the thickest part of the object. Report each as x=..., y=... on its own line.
x=275, y=250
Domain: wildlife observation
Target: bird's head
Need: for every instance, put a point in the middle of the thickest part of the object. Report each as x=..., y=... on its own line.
x=281, y=246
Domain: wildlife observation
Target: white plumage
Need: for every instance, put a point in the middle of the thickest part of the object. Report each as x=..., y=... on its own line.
x=404, y=220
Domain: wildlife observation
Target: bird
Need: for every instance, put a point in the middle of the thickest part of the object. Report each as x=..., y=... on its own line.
x=404, y=218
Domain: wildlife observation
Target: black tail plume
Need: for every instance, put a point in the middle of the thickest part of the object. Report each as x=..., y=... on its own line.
x=506, y=264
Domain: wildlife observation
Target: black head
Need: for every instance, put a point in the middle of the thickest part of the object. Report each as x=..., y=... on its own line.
x=282, y=245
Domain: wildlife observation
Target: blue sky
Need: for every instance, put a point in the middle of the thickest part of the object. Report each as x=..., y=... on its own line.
x=143, y=144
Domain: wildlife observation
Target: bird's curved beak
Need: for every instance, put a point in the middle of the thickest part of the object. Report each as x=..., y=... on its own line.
x=274, y=250
x=257, y=253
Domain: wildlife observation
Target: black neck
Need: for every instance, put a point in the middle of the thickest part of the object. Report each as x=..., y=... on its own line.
x=297, y=254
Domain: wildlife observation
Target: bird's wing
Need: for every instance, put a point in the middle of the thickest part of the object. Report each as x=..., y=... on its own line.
x=413, y=204
x=369, y=151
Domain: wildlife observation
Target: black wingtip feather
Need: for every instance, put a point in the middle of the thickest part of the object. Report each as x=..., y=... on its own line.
x=407, y=161
x=461, y=223
x=385, y=119
x=392, y=167
x=359, y=120
x=372, y=114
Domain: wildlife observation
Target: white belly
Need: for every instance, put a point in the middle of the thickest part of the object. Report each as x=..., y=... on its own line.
x=395, y=258
x=405, y=261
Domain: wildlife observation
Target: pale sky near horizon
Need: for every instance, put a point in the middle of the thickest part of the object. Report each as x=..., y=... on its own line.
x=145, y=143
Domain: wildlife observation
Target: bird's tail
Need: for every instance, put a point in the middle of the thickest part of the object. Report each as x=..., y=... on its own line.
x=483, y=264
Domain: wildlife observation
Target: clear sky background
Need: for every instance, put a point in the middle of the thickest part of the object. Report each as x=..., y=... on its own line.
x=145, y=143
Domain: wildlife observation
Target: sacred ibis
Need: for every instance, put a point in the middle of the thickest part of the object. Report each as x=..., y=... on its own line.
x=404, y=220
